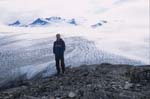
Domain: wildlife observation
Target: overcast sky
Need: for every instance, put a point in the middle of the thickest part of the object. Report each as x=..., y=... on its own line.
x=30, y=9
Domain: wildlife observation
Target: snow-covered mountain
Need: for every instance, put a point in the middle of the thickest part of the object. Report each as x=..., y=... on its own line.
x=39, y=21
x=45, y=22
x=72, y=21
x=16, y=23
x=55, y=21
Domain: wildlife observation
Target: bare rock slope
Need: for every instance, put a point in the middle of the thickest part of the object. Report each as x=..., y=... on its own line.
x=104, y=81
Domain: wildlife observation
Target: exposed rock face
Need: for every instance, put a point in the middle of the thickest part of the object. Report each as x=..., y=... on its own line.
x=103, y=81
x=39, y=22
x=17, y=23
x=140, y=74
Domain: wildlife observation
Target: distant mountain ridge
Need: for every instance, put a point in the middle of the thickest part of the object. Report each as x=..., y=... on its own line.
x=54, y=20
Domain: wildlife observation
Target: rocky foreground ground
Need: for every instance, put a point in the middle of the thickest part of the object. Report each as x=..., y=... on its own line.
x=104, y=81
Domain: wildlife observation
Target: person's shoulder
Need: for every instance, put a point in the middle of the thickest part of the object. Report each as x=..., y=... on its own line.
x=55, y=41
x=62, y=40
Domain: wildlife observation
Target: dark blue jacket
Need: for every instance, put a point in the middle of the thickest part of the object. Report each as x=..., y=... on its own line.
x=59, y=48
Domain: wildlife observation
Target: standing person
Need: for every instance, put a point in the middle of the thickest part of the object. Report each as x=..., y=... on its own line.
x=58, y=50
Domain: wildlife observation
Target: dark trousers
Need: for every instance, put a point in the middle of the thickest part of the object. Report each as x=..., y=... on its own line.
x=60, y=61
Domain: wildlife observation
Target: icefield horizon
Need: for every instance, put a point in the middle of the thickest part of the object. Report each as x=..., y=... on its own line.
x=27, y=51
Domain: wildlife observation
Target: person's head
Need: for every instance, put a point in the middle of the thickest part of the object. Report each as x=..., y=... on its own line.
x=58, y=36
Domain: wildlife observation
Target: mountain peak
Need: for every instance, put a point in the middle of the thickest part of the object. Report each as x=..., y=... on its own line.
x=39, y=21
x=53, y=18
x=72, y=21
x=16, y=23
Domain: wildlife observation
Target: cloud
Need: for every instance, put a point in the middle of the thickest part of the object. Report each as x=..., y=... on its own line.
x=11, y=9
x=27, y=10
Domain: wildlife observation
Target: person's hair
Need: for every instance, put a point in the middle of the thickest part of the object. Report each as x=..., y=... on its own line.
x=57, y=34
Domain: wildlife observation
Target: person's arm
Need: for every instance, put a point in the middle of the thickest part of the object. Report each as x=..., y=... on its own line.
x=64, y=46
x=54, y=48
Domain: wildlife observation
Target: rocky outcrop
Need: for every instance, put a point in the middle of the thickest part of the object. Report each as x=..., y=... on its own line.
x=104, y=81
x=140, y=75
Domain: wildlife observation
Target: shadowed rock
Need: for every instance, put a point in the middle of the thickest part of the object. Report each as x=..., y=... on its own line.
x=104, y=81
